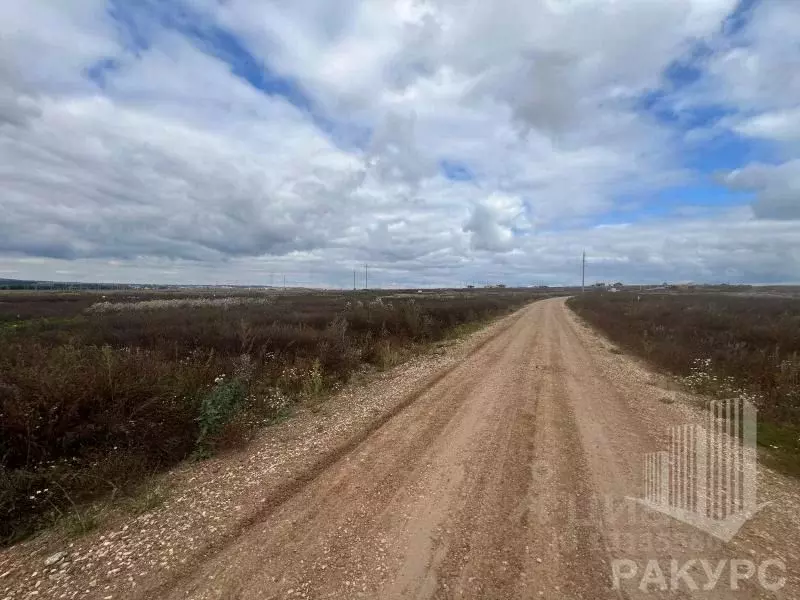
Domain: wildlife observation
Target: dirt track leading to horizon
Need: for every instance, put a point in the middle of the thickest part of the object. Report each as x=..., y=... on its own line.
x=504, y=476
x=507, y=478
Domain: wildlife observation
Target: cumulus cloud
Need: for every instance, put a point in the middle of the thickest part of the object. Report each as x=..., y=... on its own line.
x=777, y=188
x=756, y=69
x=440, y=140
x=779, y=125
x=755, y=75
x=394, y=153
x=120, y=183
x=492, y=223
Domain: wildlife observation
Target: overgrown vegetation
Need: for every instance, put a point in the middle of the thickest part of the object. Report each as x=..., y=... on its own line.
x=94, y=397
x=721, y=345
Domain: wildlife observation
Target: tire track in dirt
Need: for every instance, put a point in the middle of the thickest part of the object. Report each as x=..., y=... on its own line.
x=610, y=407
x=285, y=492
x=480, y=547
x=570, y=558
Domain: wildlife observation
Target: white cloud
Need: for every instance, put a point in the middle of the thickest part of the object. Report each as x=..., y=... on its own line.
x=758, y=70
x=17, y=102
x=756, y=76
x=780, y=125
x=777, y=188
x=178, y=168
x=115, y=180
x=492, y=223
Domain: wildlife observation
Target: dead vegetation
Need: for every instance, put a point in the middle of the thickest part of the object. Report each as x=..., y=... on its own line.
x=94, y=400
x=721, y=345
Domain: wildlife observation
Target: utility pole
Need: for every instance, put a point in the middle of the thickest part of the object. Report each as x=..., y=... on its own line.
x=284, y=282
x=583, y=273
x=366, y=276
x=354, y=280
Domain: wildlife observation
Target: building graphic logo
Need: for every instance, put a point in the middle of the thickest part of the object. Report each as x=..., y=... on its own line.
x=708, y=478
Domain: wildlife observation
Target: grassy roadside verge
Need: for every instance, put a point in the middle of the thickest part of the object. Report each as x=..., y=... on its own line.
x=95, y=401
x=720, y=346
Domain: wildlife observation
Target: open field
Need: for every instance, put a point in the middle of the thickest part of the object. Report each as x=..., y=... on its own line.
x=502, y=466
x=98, y=391
x=722, y=345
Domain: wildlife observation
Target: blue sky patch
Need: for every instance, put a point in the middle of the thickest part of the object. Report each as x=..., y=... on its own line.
x=99, y=71
x=456, y=171
x=740, y=16
x=697, y=200
x=131, y=24
x=687, y=71
x=725, y=151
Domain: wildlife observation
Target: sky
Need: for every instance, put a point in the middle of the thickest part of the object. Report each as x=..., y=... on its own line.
x=442, y=142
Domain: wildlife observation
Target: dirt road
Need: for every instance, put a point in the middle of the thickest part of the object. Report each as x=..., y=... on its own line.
x=507, y=477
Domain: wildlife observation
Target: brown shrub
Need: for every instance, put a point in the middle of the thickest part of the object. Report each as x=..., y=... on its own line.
x=91, y=401
x=753, y=342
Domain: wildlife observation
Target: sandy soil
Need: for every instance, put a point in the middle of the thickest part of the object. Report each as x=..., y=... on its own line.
x=499, y=468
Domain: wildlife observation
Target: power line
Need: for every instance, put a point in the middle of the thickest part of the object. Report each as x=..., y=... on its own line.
x=583, y=273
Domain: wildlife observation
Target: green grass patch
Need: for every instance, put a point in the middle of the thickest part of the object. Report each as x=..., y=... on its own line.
x=780, y=447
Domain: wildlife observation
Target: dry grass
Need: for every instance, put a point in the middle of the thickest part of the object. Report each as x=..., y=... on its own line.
x=721, y=345
x=93, y=401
